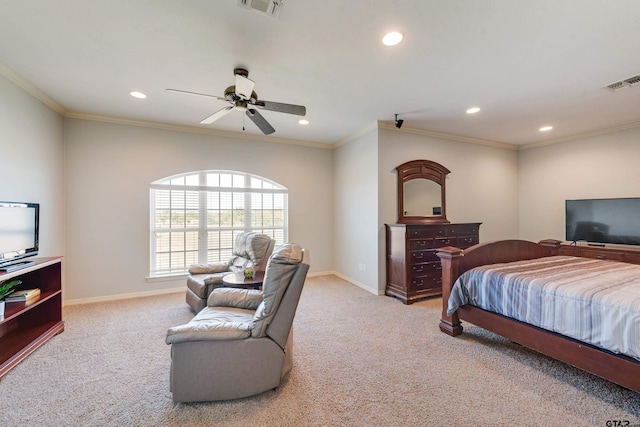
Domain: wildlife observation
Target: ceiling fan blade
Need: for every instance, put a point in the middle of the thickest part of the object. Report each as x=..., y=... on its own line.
x=260, y=121
x=244, y=86
x=195, y=93
x=218, y=114
x=299, y=110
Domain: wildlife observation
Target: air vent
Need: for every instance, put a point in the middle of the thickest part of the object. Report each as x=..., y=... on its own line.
x=267, y=7
x=631, y=81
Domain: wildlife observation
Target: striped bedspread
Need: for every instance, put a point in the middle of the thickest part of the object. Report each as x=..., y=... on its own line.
x=594, y=301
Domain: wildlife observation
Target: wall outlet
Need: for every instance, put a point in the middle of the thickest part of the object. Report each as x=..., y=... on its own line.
x=362, y=266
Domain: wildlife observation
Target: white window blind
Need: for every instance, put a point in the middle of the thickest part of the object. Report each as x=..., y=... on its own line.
x=195, y=217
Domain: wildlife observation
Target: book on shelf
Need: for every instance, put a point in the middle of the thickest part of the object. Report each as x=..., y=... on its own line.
x=23, y=295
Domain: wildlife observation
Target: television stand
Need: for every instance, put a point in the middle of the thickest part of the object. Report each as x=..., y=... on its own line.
x=27, y=326
x=16, y=266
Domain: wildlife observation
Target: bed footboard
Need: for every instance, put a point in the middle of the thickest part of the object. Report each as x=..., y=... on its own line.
x=455, y=261
x=450, y=260
x=619, y=369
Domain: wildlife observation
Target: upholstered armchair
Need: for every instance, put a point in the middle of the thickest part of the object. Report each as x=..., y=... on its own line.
x=249, y=250
x=241, y=344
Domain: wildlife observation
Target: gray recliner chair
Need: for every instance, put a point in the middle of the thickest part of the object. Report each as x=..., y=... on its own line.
x=241, y=344
x=249, y=250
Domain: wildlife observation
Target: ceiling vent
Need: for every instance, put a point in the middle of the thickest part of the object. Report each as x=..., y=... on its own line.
x=631, y=81
x=267, y=7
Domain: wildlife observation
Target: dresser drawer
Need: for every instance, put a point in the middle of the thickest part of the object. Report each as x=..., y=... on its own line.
x=428, y=269
x=428, y=231
x=632, y=258
x=463, y=230
x=607, y=255
x=419, y=244
x=441, y=242
x=426, y=282
x=568, y=251
x=413, y=267
x=466, y=241
x=418, y=257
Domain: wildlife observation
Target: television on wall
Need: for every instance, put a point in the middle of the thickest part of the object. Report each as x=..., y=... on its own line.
x=19, y=227
x=601, y=221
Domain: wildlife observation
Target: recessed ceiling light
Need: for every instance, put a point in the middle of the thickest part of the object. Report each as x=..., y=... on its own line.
x=392, y=38
x=137, y=94
x=473, y=110
x=303, y=121
x=546, y=128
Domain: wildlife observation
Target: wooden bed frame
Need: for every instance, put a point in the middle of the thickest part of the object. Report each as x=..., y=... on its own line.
x=619, y=369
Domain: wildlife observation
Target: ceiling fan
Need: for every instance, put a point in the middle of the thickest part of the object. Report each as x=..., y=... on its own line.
x=242, y=97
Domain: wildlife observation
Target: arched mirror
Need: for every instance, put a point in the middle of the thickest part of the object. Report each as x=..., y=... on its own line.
x=421, y=192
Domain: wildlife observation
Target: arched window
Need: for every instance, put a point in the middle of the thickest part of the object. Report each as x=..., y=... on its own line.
x=196, y=216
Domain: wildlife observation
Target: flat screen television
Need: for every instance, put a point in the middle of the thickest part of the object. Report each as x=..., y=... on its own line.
x=603, y=221
x=19, y=226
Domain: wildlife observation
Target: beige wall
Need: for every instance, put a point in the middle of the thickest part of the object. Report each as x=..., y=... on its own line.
x=32, y=161
x=482, y=186
x=601, y=166
x=108, y=171
x=355, y=171
x=92, y=179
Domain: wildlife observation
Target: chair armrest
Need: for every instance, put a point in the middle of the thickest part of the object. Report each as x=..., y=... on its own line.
x=233, y=297
x=208, y=331
x=219, y=267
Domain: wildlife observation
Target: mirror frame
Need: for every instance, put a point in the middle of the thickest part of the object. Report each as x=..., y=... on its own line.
x=425, y=169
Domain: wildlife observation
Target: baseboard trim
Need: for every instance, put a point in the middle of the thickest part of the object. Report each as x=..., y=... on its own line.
x=123, y=296
x=117, y=297
x=357, y=283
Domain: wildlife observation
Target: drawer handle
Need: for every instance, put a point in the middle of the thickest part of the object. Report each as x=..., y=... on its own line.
x=422, y=243
x=418, y=282
x=418, y=269
x=437, y=266
x=418, y=255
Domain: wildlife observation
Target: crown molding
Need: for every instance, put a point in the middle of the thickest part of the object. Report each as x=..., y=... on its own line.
x=581, y=135
x=28, y=87
x=192, y=129
x=370, y=128
x=449, y=136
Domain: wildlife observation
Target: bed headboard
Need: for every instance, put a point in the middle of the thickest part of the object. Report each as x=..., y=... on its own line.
x=504, y=251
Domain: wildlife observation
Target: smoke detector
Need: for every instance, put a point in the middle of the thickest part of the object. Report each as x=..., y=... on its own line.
x=630, y=82
x=267, y=7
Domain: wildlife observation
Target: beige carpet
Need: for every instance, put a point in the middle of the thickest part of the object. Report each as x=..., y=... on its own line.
x=360, y=360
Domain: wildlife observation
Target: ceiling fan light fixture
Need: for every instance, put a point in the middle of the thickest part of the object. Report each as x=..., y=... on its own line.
x=303, y=121
x=243, y=98
x=473, y=110
x=546, y=128
x=392, y=38
x=137, y=94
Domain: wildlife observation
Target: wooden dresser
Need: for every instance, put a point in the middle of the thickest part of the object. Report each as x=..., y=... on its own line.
x=629, y=255
x=413, y=268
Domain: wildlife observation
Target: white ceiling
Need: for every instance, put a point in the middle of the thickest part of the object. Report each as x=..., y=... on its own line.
x=525, y=63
